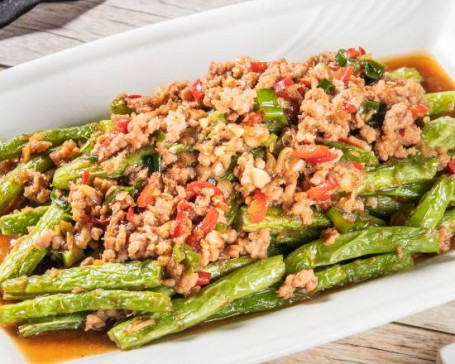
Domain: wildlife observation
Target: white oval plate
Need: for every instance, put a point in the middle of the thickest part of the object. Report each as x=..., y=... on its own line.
x=77, y=85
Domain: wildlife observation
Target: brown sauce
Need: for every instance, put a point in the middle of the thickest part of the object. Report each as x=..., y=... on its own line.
x=435, y=77
x=68, y=345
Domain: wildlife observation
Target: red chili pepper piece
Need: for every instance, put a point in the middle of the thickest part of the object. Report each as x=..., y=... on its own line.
x=195, y=188
x=352, y=53
x=306, y=82
x=258, y=66
x=349, y=108
x=179, y=224
x=258, y=207
x=315, y=154
x=418, y=111
x=130, y=214
x=134, y=96
x=146, y=196
x=204, y=278
x=319, y=193
x=362, y=51
x=451, y=166
x=359, y=166
x=121, y=126
x=204, y=227
x=283, y=84
x=301, y=91
x=86, y=177
x=283, y=95
x=182, y=214
x=197, y=91
x=344, y=73
x=253, y=118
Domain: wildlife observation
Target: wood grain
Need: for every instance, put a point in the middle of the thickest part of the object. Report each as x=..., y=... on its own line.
x=52, y=27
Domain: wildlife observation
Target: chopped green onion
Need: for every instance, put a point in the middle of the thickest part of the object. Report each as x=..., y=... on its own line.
x=373, y=70
x=343, y=60
x=377, y=110
x=177, y=148
x=159, y=135
x=272, y=112
x=152, y=162
x=110, y=197
x=119, y=107
x=326, y=85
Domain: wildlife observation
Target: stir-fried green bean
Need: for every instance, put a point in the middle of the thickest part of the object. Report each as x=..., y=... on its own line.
x=440, y=102
x=18, y=223
x=195, y=309
x=277, y=220
x=399, y=172
x=407, y=72
x=62, y=303
x=39, y=326
x=12, y=184
x=360, y=243
x=13, y=147
x=26, y=253
x=335, y=276
x=433, y=204
x=440, y=132
x=132, y=276
x=74, y=170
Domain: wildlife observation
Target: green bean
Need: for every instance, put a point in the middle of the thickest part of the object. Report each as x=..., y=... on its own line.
x=399, y=172
x=440, y=132
x=11, y=186
x=222, y=267
x=277, y=220
x=62, y=303
x=360, y=243
x=407, y=72
x=292, y=237
x=216, y=269
x=17, y=223
x=332, y=277
x=74, y=170
x=39, y=326
x=72, y=256
x=433, y=204
x=354, y=154
x=195, y=309
x=384, y=206
x=132, y=276
x=24, y=257
x=409, y=190
x=448, y=220
x=13, y=147
x=350, y=221
x=440, y=102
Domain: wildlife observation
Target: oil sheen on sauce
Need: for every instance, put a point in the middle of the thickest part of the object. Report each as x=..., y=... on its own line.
x=66, y=345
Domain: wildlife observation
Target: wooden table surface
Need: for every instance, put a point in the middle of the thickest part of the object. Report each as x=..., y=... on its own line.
x=51, y=27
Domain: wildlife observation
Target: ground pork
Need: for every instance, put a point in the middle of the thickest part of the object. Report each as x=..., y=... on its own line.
x=255, y=244
x=329, y=235
x=99, y=319
x=399, y=132
x=66, y=152
x=35, y=185
x=444, y=239
x=304, y=279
